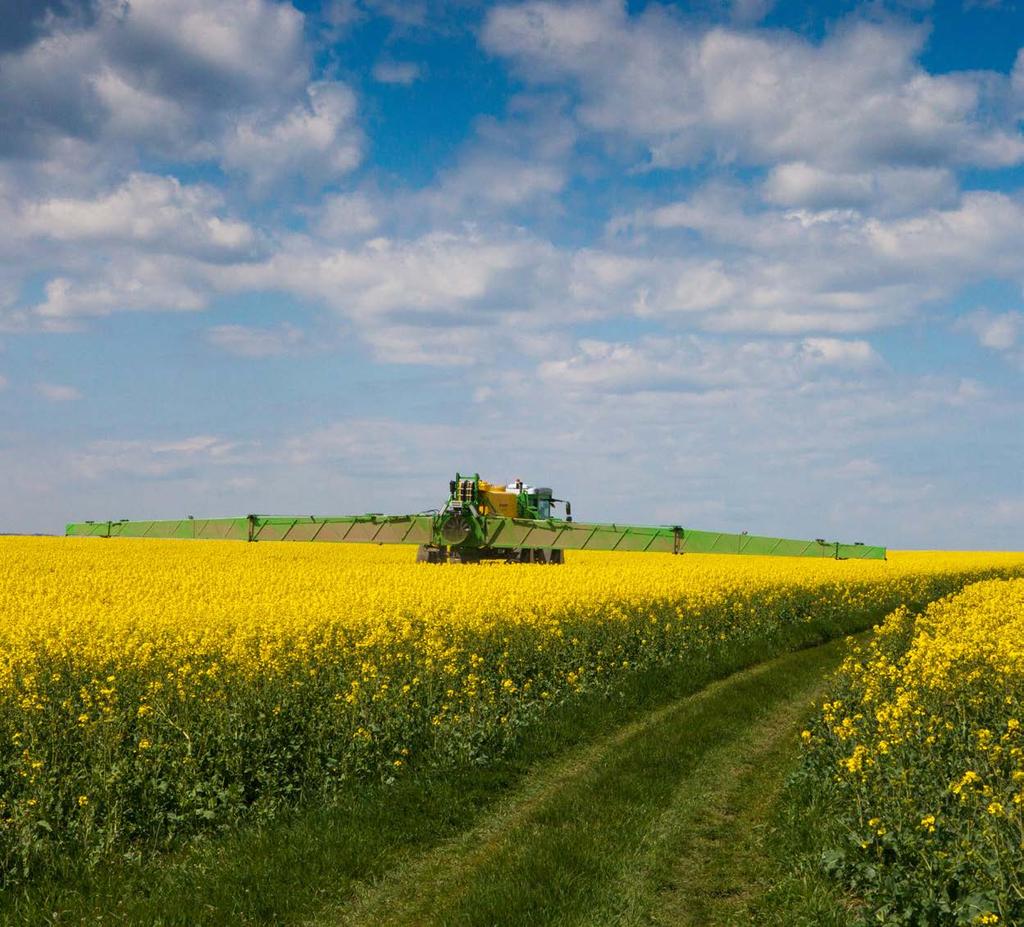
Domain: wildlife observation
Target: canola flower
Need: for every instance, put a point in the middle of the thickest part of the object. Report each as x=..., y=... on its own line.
x=150, y=689
x=918, y=760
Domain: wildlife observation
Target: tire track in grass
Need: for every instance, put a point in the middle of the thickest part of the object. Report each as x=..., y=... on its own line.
x=703, y=860
x=657, y=823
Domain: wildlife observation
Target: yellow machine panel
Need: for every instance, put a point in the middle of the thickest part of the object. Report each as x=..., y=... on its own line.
x=498, y=501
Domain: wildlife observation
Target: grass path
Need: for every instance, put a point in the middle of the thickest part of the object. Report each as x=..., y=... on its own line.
x=661, y=822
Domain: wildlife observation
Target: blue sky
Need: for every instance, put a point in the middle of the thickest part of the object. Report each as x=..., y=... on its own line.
x=741, y=265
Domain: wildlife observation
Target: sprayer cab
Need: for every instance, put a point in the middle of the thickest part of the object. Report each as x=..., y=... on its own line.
x=512, y=500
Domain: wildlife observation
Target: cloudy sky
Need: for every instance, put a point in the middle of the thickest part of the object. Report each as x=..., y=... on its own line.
x=745, y=265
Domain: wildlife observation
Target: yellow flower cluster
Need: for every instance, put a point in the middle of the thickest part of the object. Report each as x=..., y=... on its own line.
x=149, y=688
x=921, y=741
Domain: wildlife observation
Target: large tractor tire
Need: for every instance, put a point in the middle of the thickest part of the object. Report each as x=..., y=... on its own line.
x=430, y=553
x=536, y=555
x=465, y=555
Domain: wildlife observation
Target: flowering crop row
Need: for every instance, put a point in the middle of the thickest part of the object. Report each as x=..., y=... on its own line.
x=152, y=688
x=919, y=755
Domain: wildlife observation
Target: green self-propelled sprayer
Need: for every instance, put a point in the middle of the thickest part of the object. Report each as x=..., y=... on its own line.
x=480, y=521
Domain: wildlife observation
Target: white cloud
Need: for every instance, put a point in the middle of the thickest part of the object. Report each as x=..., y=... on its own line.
x=519, y=161
x=968, y=392
x=837, y=352
x=438, y=275
x=980, y=234
x=836, y=270
x=502, y=182
x=180, y=80
x=888, y=191
x=747, y=12
x=700, y=363
x=317, y=139
x=144, y=284
x=252, y=44
x=248, y=341
x=742, y=267
x=1008, y=511
x=56, y=392
x=339, y=16
x=145, y=243
x=998, y=331
x=403, y=73
x=135, y=112
x=857, y=100
x=347, y=215
x=450, y=346
x=800, y=184
x=1018, y=81
x=838, y=243
x=383, y=446
x=153, y=459
x=145, y=211
x=212, y=445
x=439, y=297
x=164, y=74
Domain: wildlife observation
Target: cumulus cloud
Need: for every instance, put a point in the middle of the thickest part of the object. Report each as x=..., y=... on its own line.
x=887, y=191
x=153, y=459
x=742, y=267
x=855, y=101
x=250, y=341
x=837, y=270
x=699, y=363
x=519, y=161
x=402, y=73
x=429, y=277
x=977, y=235
x=999, y=331
x=142, y=284
x=747, y=12
x=181, y=79
x=836, y=352
x=848, y=232
x=317, y=139
x=432, y=346
x=399, y=449
x=56, y=392
x=346, y=215
x=25, y=22
x=145, y=243
x=1018, y=81
x=146, y=211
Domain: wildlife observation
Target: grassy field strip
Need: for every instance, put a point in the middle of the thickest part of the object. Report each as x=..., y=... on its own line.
x=716, y=862
x=702, y=861
x=433, y=875
x=658, y=823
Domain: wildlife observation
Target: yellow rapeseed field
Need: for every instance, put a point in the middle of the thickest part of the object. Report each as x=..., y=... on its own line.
x=919, y=754
x=151, y=688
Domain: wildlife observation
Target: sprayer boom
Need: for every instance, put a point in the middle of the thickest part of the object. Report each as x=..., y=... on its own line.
x=480, y=521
